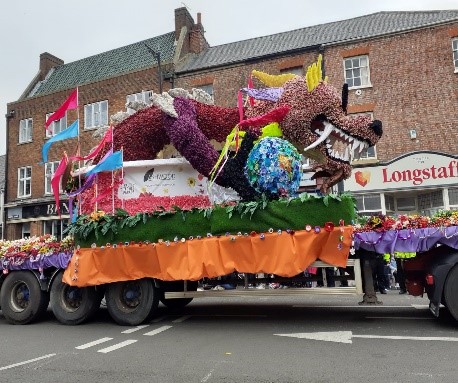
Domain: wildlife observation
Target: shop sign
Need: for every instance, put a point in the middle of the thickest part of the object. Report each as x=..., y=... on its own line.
x=415, y=170
x=44, y=210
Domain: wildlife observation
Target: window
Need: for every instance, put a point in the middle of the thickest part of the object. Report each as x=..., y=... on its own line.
x=389, y=203
x=453, y=197
x=298, y=71
x=26, y=230
x=206, y=88
x=56, y=126
x=406, y=203
x=25, y=130
x=357, y=71
x=430, y=203
x=455, y=53
x=369, y=153
x=143, y=96
x=96, y=115
x=55, y=227
x=50, y=169
x=24, y=181
x=368, y=203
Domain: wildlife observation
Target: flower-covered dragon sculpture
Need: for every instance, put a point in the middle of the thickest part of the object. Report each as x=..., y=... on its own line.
x=310, y=112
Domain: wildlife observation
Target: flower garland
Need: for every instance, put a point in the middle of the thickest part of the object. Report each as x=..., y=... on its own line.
x=382, y=223
x=37, y=245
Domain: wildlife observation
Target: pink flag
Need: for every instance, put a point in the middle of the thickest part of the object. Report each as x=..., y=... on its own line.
x=107, y=138
x=55, y=181
x=70, y=103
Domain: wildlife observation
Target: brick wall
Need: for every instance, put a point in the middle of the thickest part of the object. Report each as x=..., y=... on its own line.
x=413, y=86
x=114, y=90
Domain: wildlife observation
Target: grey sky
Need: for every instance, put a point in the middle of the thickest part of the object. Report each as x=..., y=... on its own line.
x=76, y=29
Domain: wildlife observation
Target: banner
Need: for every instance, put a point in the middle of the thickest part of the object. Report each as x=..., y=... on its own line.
x=71, y=132
x=70, y=103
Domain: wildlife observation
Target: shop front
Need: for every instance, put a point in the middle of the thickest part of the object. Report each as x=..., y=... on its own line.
x=415, y=183
x=36, y=219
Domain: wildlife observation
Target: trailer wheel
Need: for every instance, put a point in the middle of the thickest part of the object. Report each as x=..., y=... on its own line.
x=177, y=303
x=451, y=292
x=131, y=303
x=73, y=305
x=22, y=299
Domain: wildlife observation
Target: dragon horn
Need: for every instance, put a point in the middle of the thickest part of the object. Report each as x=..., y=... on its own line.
x=314, y=74
x=273, y=81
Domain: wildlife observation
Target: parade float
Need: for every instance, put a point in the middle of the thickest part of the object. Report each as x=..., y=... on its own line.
x=150, y=229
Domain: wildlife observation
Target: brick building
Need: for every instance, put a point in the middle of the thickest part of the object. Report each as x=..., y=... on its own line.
x=402, y=67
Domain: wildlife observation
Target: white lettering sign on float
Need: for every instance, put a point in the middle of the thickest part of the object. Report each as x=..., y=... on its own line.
x=171, y=177
x=418, y=169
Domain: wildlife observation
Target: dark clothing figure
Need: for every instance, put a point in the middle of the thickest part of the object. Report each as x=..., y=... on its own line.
x=400, y=276
x=381, y=275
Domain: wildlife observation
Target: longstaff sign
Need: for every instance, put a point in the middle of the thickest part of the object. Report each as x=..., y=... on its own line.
x=419, y=169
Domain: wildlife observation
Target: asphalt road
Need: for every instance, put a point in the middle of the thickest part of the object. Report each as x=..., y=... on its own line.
x=289, y=339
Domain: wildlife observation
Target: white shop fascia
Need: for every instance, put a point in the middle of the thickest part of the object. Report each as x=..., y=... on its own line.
x=420, y=182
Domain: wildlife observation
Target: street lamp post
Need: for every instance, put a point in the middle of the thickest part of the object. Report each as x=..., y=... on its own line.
x=157, y=56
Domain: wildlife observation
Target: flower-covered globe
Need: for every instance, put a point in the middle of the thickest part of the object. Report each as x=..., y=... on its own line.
x=274, y=167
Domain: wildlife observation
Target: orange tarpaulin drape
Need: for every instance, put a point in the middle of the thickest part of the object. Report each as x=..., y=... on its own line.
x=281, y=254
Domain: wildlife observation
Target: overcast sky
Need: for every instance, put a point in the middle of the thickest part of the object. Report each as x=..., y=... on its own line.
x=72, y=30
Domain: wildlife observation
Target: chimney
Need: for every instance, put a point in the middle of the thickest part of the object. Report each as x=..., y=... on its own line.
x=182, y=19
x=48, y=61
x=197, y=41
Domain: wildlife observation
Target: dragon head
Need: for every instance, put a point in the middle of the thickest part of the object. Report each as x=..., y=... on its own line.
x=317, y=123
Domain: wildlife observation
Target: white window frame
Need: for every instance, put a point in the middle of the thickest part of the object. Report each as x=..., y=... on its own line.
x=365, y=210
x=369, y=153
x=25, y=130
x=353, y=65
x=143, y=96
x=455, y=53
x=55, y=227
x=56, y=126
x=24, y=180
x=50, y=169
x=25, y=229
x=94, y=115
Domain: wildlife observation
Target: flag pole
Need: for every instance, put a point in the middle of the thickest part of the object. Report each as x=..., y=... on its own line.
x=122, y=172
x=80, y=208
x=96, y=191
x=112, y=176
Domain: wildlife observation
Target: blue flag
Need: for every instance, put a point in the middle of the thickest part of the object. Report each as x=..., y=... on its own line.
x=70, y=132
x=110, y=163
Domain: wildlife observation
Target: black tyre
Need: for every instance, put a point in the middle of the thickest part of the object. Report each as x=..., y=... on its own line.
x=451, y=292
x=22, y=299
x=133, y=302
x=73, y=305
x=177, y=303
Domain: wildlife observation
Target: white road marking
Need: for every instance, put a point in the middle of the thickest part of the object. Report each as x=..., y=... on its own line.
x=117, y=346
x=181, y=319
x=346, y=337
x=157, y=331
x=94, y=343
x=27, y=362
x=206, y=377
x=131, y=330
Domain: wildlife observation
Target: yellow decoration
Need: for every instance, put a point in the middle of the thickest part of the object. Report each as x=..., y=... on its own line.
x=314, y=74
x=273, y=81
x=271, y=130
